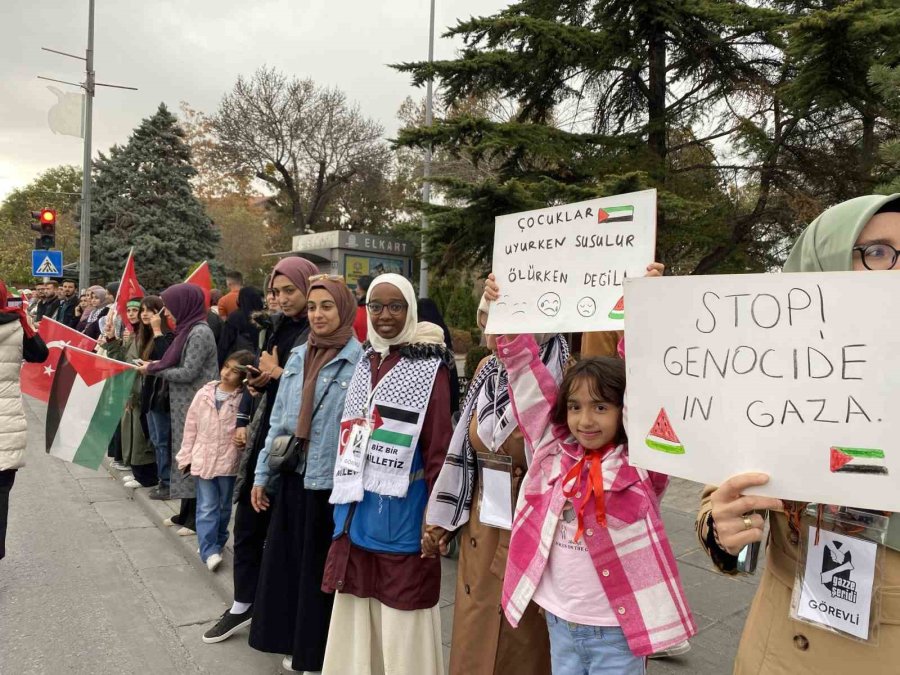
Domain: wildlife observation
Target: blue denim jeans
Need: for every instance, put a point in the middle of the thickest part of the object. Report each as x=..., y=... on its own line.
x=576, y=649
x=213, y=513
x=160, y=426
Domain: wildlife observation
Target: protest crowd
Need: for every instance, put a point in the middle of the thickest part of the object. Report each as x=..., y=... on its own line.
x=322, y=428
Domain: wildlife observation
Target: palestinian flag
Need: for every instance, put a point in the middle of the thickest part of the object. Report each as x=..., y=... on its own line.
x=616, y=214
x=662, y=436
x=86, y=404
x=36, y=378
x=617, y=313
x=394, y=426
x=857, y=460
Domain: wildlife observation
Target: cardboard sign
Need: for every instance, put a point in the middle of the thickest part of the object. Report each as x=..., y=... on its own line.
x=793, y=375
x=562, y=268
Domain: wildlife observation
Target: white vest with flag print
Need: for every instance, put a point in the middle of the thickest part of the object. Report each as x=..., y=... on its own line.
x=395, y=411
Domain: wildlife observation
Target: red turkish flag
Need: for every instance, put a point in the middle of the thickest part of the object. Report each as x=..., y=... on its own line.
x=129, y=288
x=202, y=277
x=36, y=378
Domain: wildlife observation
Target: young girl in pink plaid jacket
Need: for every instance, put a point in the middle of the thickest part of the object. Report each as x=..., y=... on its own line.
x=588, y=544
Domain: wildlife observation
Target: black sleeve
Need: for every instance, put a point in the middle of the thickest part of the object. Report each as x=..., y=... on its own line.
x=245, y=409
x=34, y=349
x=160, y=345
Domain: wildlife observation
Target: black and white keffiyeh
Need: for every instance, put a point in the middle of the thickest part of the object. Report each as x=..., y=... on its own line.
x=488, y=395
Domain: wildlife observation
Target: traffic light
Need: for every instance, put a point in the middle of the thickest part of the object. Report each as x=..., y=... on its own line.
x=46, y=225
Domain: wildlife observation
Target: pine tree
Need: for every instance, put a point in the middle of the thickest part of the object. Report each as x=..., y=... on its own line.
x=640, y=80
x=143, y=198
x=748, y=117
x=886, y=81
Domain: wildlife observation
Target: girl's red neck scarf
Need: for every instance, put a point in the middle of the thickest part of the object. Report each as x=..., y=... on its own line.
x=20, y=311
x=590, y=464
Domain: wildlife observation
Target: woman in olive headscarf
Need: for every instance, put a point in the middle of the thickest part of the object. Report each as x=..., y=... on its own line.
x=861, y=234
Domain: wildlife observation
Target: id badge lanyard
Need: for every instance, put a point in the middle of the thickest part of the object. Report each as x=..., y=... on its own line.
x=495, y=485
x=838, y=580
x=354, y=455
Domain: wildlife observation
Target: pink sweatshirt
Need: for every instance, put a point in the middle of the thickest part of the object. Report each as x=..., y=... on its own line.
x=208, y=442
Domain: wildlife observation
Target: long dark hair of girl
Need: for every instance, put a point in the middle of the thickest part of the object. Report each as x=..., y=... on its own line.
x=145, y=333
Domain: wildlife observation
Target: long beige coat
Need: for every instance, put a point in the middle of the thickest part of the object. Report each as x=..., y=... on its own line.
x=483, y=641
x=774, y=644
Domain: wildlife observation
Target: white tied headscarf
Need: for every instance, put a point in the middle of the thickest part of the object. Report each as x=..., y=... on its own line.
x=413, y=332
x=407, y=335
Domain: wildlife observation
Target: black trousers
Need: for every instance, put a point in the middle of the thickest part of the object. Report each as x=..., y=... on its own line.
x=7, y=478
x=250, y=530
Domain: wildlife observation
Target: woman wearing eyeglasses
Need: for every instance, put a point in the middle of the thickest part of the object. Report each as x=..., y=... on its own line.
x=861, y=234
x=394, y=435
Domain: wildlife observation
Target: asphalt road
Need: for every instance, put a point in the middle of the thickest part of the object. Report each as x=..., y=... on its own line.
x=90, y=584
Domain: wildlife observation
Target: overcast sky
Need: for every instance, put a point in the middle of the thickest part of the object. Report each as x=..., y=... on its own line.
x=193, y=50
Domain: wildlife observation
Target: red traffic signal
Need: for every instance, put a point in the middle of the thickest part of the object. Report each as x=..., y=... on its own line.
x=46, y=225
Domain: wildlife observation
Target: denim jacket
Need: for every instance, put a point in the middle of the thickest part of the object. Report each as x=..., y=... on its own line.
x=334, y=380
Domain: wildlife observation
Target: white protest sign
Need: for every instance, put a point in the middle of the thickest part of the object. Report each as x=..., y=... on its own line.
x=794, y=375
x=561, y=269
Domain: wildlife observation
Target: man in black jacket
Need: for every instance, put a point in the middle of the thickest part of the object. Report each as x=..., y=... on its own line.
x=65, y=314
x=50, y=302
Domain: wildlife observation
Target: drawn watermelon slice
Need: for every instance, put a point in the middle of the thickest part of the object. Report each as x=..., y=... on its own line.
x=662, y=436
x=618, y=312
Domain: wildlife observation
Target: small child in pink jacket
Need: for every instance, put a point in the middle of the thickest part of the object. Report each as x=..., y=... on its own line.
x=209, y=452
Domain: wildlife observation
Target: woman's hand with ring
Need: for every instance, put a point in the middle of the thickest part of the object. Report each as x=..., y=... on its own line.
x=735, y=525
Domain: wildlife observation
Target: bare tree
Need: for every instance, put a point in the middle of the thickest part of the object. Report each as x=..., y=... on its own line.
x=307, y=142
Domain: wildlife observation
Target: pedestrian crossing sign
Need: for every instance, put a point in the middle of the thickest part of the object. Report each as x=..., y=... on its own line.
x=46, y=263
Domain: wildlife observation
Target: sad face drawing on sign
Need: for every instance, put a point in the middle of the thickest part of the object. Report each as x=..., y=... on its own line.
x=549, y=303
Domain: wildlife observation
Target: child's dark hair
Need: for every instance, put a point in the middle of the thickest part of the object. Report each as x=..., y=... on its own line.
x=606, y=381
x=243, y=357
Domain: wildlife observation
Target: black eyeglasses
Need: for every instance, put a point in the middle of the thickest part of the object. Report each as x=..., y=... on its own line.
x=394, y=308
x=878, y=257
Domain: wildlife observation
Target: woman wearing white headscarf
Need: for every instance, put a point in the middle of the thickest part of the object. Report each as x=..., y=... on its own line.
x=394, y=436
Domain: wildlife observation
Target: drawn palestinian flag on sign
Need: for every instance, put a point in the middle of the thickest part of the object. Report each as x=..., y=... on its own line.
x=616, y=214
x=857, y=460
x=617, y=313
x=394, y=426
x=87, y=400
x=662, y=436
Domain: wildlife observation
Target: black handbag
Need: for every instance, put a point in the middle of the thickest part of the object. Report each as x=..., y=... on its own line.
x=286, y=453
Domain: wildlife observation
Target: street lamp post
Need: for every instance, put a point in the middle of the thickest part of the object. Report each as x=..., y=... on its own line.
x=426, y=167
x=89, y=85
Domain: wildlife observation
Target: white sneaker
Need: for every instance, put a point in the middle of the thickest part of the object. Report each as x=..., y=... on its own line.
x=213, y=562
x=127, y=477
x=674, y=650
x=132, y=484
x=286, y=664
x=168, y=522
x=185, y=532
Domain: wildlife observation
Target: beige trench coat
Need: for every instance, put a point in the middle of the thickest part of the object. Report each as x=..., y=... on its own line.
x=774, y=644
x=483, y=641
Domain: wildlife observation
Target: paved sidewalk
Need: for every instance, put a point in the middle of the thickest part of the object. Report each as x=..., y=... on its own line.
x=719, y=603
